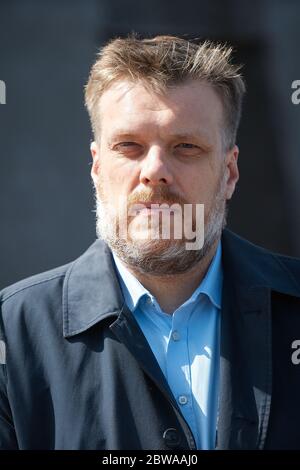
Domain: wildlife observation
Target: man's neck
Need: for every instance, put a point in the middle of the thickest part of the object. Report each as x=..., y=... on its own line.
x=171, y=291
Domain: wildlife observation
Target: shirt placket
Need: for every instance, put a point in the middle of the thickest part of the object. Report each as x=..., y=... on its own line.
x=178, y=368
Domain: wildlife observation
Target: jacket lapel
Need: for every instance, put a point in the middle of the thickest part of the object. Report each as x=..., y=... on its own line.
x=129, y=333
x=245, y=371
x=245, y=357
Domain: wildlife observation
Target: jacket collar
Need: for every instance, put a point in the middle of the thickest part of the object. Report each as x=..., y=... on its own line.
x=251, y=266
x=91, y=291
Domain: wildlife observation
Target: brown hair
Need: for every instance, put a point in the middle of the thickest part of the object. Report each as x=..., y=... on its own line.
x=166, y=61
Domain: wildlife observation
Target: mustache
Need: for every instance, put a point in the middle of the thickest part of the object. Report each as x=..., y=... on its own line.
x=159, y=195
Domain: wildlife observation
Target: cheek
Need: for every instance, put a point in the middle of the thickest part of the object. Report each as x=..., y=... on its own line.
x=118, y=179
x=198, y=185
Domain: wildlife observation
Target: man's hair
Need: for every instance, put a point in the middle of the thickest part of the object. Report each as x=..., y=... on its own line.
x=165, y=61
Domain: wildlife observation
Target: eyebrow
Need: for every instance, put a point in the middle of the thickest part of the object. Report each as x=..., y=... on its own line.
x=125, y=133
x=189, y=135
x=121, y=134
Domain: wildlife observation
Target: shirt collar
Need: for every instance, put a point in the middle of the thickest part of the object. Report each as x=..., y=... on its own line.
x=92, y=291
x=211, y=284
x=132, y=289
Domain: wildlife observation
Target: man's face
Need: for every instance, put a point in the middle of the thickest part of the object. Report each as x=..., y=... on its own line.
x=158, y=149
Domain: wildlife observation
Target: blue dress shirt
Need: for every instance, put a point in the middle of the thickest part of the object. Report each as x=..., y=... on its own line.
x=185, y=344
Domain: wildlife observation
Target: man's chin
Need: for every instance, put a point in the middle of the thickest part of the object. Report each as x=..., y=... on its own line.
x=158, y=257
x=151, y=247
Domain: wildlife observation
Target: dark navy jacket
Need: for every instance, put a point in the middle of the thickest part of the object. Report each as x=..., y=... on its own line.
x=79, y=374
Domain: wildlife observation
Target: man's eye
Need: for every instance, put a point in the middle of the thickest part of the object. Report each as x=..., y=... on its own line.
x=126, y=144
x=128, y=149
x=186, y=149
x=187, y=146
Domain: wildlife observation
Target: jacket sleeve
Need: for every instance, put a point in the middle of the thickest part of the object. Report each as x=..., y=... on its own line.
x=8, y=440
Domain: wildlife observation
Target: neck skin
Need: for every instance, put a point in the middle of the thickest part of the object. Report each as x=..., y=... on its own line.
x=173, y=290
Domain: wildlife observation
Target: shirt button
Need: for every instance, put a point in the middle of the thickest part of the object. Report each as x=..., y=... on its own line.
x=149, y=301
x=183, y=399
x=175, y=336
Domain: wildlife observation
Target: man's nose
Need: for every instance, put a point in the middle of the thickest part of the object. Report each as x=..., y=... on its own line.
x=156, y=168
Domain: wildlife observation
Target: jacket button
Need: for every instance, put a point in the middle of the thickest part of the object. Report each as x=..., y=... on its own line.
x=171, y=438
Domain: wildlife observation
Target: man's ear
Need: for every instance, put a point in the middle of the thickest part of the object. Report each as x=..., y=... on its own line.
x=96, y=163
x=232, y=171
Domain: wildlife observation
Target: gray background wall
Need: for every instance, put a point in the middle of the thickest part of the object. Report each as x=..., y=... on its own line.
x=46, y=50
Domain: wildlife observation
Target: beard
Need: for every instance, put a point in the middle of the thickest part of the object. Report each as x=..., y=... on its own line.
x=159, y=256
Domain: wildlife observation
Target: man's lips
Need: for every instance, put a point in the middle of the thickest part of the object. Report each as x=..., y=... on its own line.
x=149, y=204
x=153, y=206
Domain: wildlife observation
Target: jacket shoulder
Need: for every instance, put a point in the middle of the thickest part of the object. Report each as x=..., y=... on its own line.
x=291, y=264
x=257, y=265
x=37, y=282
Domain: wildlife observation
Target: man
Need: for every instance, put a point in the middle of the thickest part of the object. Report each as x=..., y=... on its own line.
x=147, y=341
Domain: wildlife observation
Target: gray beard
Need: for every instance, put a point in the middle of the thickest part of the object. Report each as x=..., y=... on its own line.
x=162, y=257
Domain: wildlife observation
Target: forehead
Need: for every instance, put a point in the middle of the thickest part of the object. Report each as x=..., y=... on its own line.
x=192, y=107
